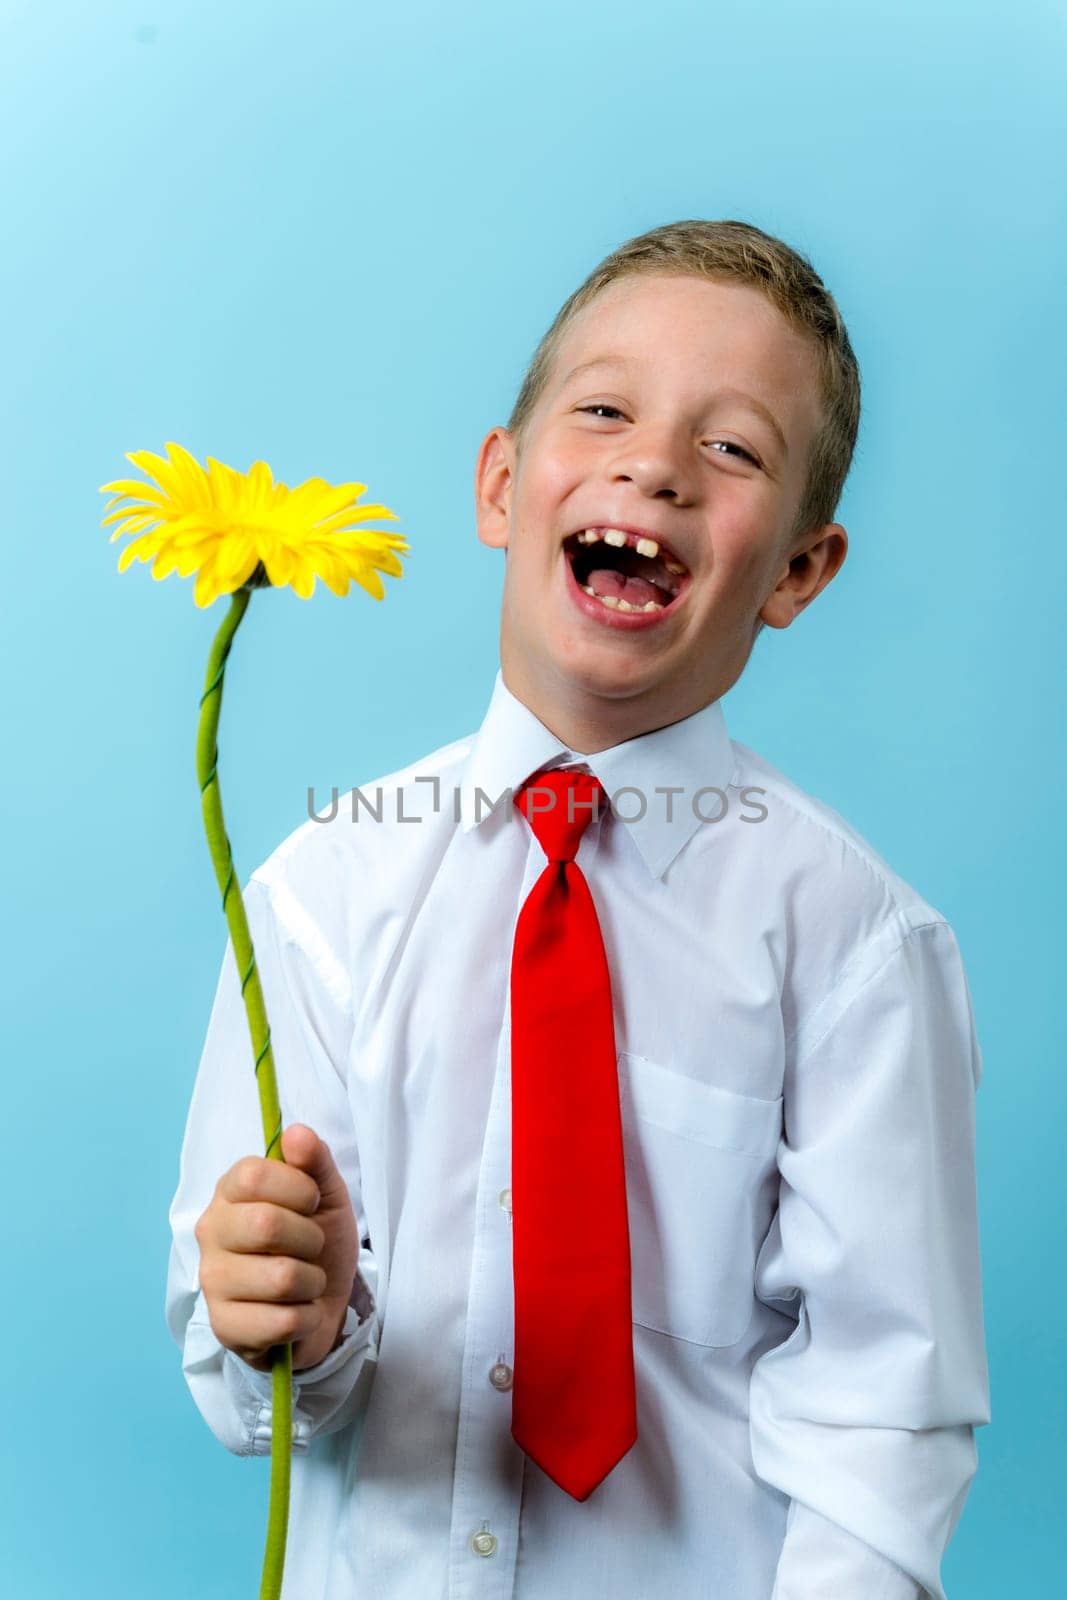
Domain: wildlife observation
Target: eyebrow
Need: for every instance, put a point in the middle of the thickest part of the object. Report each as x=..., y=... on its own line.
x=737, y=395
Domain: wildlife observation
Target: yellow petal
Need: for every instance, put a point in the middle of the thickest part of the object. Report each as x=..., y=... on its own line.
x=142, y=549
x=352, y=518
x=226, y=485
x=133, y=525
x=359, y=547
x=330, y=502
x=280, y=562
x=244, y=573
x=155, y=467
x=303, y=578
x=192, y=529
x=184, y=559
x=135, y=518
x=227, y=585
x=191, y=476
x=235, y=551
x=259, y=484
x=332, y=570
x=381, y=564
x=194, y=553
x=388, y=562
x=369, y=580
x=167, y=561
x=134, y=489
x=191, y=560
x=206, y=588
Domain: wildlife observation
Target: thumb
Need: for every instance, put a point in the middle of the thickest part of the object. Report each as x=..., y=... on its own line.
x=302, y=1147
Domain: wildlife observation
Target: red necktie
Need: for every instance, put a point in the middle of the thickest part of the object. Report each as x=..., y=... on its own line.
x=574, y=1407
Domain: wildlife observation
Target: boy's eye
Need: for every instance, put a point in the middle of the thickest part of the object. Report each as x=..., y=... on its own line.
x=730, y=443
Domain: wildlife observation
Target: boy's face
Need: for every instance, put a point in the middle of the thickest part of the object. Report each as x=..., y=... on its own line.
x=649, y=439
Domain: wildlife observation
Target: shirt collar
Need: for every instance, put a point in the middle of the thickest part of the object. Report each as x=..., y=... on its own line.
x=693, y=754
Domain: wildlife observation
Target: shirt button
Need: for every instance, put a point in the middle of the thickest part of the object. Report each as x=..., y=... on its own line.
x=483, y=1543
x=501, y=1376
x=505, y=1201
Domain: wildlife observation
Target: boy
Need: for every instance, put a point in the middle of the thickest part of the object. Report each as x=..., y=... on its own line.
x=778, y=1182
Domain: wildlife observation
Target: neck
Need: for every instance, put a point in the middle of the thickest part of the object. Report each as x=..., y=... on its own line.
x=585, y=722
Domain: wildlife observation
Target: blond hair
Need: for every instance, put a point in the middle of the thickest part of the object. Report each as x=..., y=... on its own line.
x=735, y=252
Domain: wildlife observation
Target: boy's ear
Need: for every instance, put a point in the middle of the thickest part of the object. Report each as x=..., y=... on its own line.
x=807, y=570
x=494, y=476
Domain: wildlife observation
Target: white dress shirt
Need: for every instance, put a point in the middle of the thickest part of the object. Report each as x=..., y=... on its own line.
x=797, y=1071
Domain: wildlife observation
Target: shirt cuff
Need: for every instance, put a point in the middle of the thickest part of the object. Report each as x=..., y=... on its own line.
x=355, y=1335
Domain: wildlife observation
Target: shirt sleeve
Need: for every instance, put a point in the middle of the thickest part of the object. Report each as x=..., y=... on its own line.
x=865, y=1415
x=310, y=1027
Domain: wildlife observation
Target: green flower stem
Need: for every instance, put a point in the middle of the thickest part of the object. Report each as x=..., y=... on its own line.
x=281, y=1356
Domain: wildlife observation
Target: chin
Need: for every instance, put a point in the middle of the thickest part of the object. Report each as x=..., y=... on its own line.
x=606, y=673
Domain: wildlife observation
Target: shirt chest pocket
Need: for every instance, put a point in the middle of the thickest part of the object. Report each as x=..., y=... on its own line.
x=700, y=1175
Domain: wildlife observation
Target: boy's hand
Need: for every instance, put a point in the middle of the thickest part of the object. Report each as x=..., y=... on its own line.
x=278, y=1253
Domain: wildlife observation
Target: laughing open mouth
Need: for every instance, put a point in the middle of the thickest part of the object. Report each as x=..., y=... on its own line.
x=625, y=571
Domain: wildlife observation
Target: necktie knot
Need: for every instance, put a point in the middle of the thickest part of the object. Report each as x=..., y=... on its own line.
x=559, y=805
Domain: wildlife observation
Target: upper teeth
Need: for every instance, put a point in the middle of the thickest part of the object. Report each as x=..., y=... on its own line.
x=618, y=537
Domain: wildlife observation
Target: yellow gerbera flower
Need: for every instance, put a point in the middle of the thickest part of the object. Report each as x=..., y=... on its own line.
x=231, y=527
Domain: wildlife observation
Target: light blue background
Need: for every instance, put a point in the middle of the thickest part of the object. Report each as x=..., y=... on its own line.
x=331, y=236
